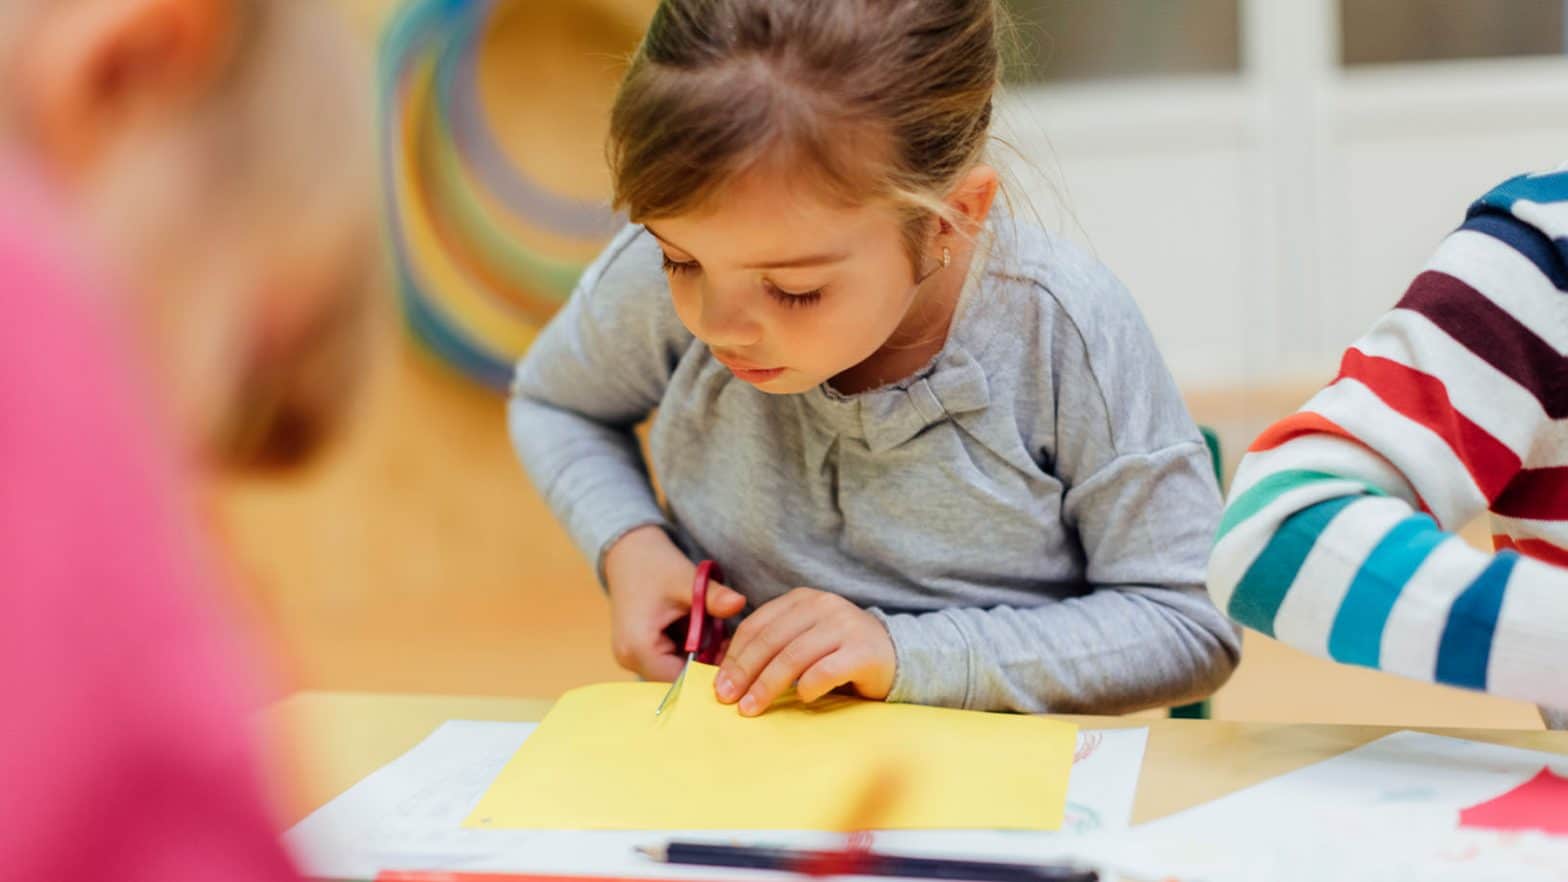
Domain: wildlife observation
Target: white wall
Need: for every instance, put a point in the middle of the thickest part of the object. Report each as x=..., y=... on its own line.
x=1264, y=220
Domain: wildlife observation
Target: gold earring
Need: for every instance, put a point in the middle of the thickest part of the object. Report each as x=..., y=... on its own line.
x=947, y=258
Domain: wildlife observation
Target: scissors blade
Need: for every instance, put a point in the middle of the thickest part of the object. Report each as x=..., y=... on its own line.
x=669, y=694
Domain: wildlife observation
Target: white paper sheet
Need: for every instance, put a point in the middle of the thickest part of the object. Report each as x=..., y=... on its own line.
x=409, y=814
x=1104, y=782
x=1387, y=810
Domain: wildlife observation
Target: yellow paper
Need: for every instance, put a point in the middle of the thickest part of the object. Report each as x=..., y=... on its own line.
x=601, y=760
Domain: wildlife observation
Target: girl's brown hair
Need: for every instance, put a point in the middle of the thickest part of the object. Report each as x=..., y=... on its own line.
x=874, y=99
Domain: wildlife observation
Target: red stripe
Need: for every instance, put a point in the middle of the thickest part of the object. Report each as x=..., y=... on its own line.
x=1295, y=426
x=1423, y=398
x=1539, y=549
x=1541, y=494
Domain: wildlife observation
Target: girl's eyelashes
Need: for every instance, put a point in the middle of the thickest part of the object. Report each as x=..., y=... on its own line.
x=679, y=267
x=791, y=299
x=788, y=299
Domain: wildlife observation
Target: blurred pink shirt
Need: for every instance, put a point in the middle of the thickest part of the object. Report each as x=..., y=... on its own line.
x=126, y=751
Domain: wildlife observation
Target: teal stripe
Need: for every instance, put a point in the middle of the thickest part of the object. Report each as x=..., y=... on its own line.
x=1466, y=647
x=1259, y=495
x=1357, y=635
x=1550, y=187
x=1258, y=596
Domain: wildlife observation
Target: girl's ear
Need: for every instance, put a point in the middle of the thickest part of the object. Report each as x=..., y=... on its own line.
x=98, y=69
x=970, y=201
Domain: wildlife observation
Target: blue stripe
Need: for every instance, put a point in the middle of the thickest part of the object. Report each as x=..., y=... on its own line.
x=1546, y=252
x=1466, y=647
x=1357, y=635
x=1549, y=187
x=1549, y=257
x=1258, y=596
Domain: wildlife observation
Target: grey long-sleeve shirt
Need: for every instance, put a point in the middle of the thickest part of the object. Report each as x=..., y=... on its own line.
x=1030, y=515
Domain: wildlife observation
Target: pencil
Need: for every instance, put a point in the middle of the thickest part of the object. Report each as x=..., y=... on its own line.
x=853, y=863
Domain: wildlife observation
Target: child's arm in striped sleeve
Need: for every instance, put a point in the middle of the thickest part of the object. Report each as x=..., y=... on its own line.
x=1336, y=536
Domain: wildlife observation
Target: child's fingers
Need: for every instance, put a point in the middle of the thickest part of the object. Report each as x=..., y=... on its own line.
x=724, y=601
x=663, y=645
x=739, y=674
x=647, y=659
x=656, y=656
x=671, y=633
x=830, y=672
x=660, y=667
x=792, y=660
x=756, y=641
x=760, y=621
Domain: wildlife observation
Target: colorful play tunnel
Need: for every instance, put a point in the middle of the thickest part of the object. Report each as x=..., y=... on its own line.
x=493, y=121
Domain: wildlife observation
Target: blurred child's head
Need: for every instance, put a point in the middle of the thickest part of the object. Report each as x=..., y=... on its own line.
x=806, y=167
x=217, y=153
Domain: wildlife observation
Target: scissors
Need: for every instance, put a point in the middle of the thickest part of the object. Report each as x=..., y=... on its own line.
x=705, y=636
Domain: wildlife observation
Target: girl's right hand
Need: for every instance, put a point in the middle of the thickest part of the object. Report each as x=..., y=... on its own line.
x=649, y=582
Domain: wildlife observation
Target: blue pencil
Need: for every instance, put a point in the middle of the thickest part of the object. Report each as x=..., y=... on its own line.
x=855, y=863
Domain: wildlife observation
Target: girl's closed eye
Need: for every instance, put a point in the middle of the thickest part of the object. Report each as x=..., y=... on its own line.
x=788, y=299
x=679, y=267
x=793, y=299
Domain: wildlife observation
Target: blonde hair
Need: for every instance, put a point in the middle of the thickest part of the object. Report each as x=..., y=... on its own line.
x=289, y=152
x=875, y=99
x=219, y=208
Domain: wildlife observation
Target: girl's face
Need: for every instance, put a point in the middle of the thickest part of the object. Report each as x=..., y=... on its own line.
x=787, y=289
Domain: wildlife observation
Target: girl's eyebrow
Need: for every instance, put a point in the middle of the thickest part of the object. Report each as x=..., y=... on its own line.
x=788, y=263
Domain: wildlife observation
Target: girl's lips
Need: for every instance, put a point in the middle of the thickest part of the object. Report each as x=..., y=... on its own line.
x=754, y=375
x=748, y=372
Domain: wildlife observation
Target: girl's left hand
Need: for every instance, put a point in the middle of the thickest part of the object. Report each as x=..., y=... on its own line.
x=811, y=639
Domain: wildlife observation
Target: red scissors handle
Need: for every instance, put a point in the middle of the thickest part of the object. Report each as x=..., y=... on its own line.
x=697, y=640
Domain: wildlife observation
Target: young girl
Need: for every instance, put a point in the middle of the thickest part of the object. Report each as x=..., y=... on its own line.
x=933, y=448
x=186, y=229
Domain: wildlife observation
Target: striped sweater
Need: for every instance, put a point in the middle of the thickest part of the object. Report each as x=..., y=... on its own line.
x=1337, y=535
